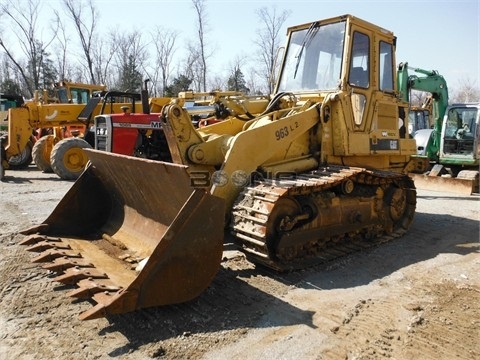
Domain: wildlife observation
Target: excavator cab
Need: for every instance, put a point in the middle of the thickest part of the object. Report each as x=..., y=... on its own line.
x=460, y=138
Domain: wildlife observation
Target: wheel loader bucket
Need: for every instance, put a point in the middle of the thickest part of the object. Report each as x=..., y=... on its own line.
x=132, y=233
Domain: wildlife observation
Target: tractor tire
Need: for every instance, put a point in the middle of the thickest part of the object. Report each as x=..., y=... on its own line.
x=22, y=160
x=41, y=153
x=68, y=158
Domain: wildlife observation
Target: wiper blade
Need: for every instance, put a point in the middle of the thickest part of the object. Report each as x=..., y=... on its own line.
x=312, y=30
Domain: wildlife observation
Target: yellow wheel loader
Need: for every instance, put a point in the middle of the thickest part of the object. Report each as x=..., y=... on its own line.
x=319, y=173
x=14, y=125
x=54, y=134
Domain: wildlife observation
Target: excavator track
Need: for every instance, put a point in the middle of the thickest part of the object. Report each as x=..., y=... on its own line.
x=314, y=217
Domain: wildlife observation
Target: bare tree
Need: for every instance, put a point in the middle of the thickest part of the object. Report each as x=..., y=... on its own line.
x=252, y=81
x=218, y=83
x=23, y=16
x=199, y=6
x=62, y=48
x=9, y=78
x=85, y=26
x=103, y=52
x=164, y=44
x=269, y=42
x=417, y=98
x=193, y=68
x=467, y=91
x=129, y=60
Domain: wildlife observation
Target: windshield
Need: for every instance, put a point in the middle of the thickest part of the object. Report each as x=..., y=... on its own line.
x=62, y=95
x=461, y=122
x=314, y=59
x=80, y=96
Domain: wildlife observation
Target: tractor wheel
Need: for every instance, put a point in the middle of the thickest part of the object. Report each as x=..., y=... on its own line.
x=68, y=158
x=22, y=160
x=41, y=153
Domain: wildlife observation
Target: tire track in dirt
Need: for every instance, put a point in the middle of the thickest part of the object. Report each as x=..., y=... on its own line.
x=439, y=326
x=435, y=325
x=369, y=333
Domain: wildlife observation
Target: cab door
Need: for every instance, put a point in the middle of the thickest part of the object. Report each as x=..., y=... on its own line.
x=375, y=127
x=359, y=87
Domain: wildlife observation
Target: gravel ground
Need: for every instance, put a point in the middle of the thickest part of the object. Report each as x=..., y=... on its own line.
x=416, y=297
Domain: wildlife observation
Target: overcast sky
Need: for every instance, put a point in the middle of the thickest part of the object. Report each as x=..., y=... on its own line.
x=434, y=35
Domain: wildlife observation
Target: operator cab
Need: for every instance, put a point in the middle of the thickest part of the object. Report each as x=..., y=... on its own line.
x=349, y=63
x=460, y=131
x=315, y=57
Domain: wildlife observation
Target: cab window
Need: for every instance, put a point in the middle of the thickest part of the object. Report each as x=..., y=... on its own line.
x=80, y=96
x=359, y=65
x=386, y=67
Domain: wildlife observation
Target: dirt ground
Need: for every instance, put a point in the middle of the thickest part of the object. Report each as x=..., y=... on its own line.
x=417, y=297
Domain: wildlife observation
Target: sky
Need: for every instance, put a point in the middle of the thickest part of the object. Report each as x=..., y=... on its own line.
x=431, y=34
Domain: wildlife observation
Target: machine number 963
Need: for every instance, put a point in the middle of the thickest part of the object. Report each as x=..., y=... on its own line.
x=282, y=133
x=285, y=131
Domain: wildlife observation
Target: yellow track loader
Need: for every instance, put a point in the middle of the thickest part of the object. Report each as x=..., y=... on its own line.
x=320, y=172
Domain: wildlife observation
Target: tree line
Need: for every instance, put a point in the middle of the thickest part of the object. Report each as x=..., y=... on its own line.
x=78, y=50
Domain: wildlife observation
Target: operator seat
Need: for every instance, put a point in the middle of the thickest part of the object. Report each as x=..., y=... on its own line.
x=358, y=77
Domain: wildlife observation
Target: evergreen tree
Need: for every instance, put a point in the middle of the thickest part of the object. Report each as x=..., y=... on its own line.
x=180, y=83
x=48, y=74
x=41, y=72
x=236, y=82
x=10, y=87
x=130, y=78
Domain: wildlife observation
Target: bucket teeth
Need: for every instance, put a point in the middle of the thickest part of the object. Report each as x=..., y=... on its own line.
x=89, y=287
x=63, y=263
x=74, y=274
x=35, y=238
x=95, y=312
x=35, y=229
x=50, y=255
x=103, y=298
x=45, y=245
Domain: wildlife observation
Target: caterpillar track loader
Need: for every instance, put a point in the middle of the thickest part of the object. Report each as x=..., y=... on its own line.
x=320, y=172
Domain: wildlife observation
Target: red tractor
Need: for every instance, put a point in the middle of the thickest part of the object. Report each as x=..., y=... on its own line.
x=133, y=134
